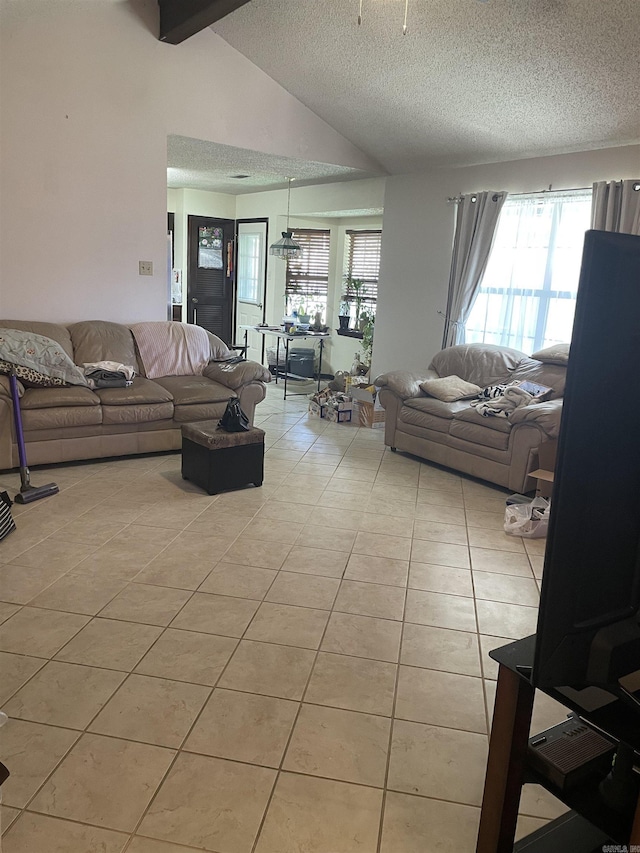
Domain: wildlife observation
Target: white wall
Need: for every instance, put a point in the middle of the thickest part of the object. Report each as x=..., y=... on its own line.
x=88, y=97
x=418, y=236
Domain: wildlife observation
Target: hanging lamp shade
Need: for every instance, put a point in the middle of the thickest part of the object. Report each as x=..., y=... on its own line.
x=286, y=247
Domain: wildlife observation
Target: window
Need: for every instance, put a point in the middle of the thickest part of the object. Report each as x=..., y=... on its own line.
x=363, y=263
x=308, y=274
x=251, y=248
x=528, y=293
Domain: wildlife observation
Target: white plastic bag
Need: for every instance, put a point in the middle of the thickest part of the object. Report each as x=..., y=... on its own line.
x=531, y=521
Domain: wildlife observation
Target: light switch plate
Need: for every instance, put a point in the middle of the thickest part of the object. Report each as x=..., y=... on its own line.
x=145, y=267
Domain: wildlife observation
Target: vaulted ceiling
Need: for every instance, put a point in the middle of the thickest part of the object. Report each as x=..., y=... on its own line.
x=471, y=82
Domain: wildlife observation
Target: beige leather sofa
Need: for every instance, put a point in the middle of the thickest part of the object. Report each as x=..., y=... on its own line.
x=500, y=450
x=73, y=422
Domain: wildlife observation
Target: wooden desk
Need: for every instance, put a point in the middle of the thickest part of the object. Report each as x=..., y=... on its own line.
x=508, y=770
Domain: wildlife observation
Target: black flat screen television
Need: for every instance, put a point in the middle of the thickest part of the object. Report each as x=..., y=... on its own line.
x=588, y=631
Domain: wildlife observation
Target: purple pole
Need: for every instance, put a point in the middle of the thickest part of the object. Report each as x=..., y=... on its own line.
x=22, y=453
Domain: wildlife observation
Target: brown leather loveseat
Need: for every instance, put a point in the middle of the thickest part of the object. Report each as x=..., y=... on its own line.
x=502, y=450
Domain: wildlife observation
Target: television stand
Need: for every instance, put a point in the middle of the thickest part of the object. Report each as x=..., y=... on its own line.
x=592, y=821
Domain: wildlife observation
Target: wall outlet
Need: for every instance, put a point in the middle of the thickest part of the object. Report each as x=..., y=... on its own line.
x=145, y=267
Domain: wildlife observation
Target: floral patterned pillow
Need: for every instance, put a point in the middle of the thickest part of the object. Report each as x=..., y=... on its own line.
x=30, y=377
x=40, y=354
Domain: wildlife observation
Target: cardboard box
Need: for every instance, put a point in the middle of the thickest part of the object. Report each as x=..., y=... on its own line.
x=543, y=474
x=337, y=416
x=370, y=412
x=547, y=453
x=334, y=411
x=367, y=394
x=369, y=415
x=544, y=482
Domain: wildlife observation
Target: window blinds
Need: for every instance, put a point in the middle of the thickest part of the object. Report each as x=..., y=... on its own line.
x=308, y=273
x=363, y=262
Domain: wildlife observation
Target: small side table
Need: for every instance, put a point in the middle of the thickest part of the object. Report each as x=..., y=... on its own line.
x=218, y=461
x=287, y=338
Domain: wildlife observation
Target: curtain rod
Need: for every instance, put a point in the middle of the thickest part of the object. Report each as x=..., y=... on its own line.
x=457, y=199
x=542, y=192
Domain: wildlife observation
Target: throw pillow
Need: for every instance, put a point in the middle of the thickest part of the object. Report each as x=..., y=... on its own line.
x=30, y=377
x=39, y=353
x=450, y=388
x=556, y=354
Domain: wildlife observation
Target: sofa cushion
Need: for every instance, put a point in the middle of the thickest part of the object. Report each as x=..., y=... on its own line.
x=450, y=388
x=52, y=398
x=552, y=375
x=556, y=354
x=472, y=416
x=196, y=398
x=482, y=364
x=99, y=340
x=199, y=412
x=141, y=402
x=218, y=347
x=429, y=413
x=60, y=334
x=438, y=408
x=190, y=390
x=141, y=392
x=65, y=416
x=137, y=413
x=481, y=434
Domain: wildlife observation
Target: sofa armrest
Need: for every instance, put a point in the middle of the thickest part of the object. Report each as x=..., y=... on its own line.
x=404, y=383
x=234, y=376
x=545, y=415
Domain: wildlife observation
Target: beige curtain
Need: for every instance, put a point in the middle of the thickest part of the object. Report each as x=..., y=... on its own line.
x=476, y=223
x=616, y=206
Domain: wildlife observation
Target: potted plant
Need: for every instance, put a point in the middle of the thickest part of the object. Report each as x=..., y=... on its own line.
x=355, y=291
x=303, y=317
x=318, y=310
x=365, y=317
x=344, y=315
x=367, y=339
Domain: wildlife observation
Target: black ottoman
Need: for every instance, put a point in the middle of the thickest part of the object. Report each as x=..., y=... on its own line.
x=218, y=461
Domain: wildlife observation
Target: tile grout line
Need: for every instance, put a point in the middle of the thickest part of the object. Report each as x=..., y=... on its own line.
x=316, y=505
x=391, y=729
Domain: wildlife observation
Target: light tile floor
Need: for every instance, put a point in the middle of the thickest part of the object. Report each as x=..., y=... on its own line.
x=300, y=668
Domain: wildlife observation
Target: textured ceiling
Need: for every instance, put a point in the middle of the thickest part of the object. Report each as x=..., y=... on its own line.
x=200, y=165
x=472, y=82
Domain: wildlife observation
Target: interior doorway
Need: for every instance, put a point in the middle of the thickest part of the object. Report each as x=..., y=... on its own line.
x=252, y=239
x=210, y=274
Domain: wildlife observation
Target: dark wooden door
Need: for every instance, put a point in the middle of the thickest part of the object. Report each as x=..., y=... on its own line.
x=210, y=274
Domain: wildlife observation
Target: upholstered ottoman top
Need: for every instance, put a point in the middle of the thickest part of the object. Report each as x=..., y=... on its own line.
x=209, y=435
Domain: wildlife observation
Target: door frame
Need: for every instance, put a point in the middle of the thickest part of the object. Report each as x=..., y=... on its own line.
x=263, y=220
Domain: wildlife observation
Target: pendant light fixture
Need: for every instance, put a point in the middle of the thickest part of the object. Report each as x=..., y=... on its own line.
x=286, y=247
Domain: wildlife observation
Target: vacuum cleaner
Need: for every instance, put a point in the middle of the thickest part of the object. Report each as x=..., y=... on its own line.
x=27, y=493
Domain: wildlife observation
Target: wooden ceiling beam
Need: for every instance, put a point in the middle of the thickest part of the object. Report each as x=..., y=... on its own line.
x=180, y=19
